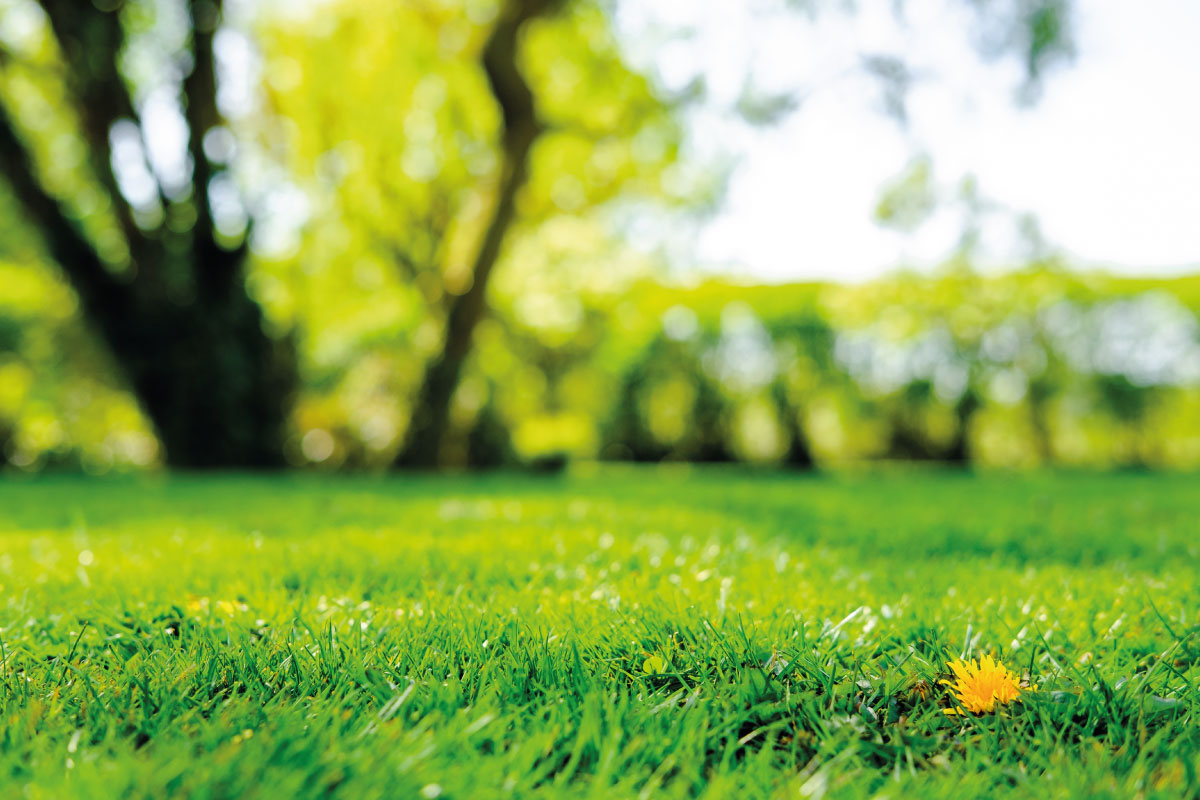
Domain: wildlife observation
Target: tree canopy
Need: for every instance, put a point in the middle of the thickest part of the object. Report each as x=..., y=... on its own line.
x=345, y=233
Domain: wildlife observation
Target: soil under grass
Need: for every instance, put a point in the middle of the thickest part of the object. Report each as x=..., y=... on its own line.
x=652, y=632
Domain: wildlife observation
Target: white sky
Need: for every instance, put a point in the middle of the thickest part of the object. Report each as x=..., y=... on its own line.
x=1108, y=160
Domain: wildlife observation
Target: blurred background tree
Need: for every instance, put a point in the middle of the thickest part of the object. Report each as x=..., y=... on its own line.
x=457, y=134
x=138, y=238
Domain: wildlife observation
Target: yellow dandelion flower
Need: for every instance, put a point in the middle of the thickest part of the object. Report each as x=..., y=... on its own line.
x=980, y=685
x=654, y=665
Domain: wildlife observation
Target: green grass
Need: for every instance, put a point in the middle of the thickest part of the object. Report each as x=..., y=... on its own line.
x=490, y=636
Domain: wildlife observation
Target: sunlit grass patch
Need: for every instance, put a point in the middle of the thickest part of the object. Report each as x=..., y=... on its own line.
x=626, y=634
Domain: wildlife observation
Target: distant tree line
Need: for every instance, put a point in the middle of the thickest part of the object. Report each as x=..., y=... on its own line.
x=1040, y=367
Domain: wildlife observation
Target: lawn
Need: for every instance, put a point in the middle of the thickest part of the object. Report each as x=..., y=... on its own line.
x=627, y=633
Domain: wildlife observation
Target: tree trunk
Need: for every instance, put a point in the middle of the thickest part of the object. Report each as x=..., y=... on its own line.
x=6, y=437
x=959, y=451
x=216, y=387
x=1039, y=394
x=178, y=321
x=799, y=453
x=213, y=384
x=431, y=412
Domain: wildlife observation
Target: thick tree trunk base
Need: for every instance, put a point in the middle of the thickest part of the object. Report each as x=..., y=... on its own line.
x=215, y=386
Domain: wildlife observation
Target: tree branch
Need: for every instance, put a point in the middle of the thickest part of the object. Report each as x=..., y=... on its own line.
x=216, y=268
x=521, y=130
x=91, y=42
x=96, y=287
